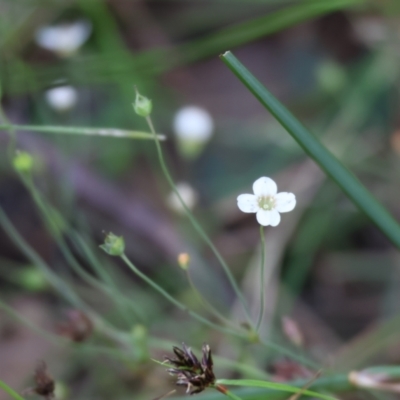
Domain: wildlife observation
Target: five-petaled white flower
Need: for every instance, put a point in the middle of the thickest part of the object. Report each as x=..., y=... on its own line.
x=266, y=202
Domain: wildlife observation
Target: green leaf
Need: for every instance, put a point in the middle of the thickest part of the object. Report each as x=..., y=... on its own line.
x=272, y=385
x=354, y=189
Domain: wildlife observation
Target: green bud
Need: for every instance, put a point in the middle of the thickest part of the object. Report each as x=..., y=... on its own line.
x=142, y=105
x=23, y=161
x=113, y=245
x=32, y=279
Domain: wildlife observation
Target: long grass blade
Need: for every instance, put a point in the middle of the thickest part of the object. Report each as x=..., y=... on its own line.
x=354, y=189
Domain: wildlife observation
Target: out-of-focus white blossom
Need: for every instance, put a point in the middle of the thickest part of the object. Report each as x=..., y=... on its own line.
x=193, y=127
x=188, y=194
x=266, y=202
x=64, y=39
x=61, y=98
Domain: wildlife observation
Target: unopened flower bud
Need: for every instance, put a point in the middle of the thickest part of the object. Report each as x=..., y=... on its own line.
x=23, y=161
x=184, y=260
x=113, y=245
x=142, y=105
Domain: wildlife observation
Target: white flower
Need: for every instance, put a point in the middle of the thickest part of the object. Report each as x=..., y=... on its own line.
x=188, y=194
x=193, y=123
x=61, y=98
x=266, y=202
x=64, y=39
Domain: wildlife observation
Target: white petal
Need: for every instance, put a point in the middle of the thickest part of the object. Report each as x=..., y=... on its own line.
x=62, y=98
x=247, y=203
x=275, y=218
x=264, y=217
x=264, y=187
x=285, y=202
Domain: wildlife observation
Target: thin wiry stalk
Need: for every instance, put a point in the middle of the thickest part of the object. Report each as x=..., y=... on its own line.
x=206, y=304
x=177, y=303
x=197, y=226
x=262, y=278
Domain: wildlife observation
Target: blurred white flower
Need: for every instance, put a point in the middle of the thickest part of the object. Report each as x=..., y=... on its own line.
x=188, y=194
x=64, y=39
x=193, y=127
x=61, y=98
x=266, y=202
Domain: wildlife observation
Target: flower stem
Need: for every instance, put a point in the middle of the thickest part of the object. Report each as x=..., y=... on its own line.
x=197, y=226
x=177, y=303
x=262, y=278
x=205, y=303
x=10, y=128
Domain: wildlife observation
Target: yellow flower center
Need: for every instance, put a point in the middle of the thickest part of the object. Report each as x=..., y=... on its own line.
x=266, y=202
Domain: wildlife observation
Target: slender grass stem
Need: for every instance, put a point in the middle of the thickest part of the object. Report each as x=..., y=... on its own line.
x=177, y=303
x=10, y=391
x=47, y=213
x=262, y=278
x=197, y=226
x=62, y=287
x=350, y=185
x=283, y=350
x=206, y=304
x=76, y=130
x=10, y=128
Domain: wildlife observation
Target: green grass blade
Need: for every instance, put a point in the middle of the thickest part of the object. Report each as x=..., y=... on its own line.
x=257, y=28
x=10, y=391
x=354, y=189
x=105, y=67
x=74, y=130
x=272, y=385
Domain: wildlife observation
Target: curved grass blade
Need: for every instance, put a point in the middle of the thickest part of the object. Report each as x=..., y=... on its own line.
x=354, y=189
x=272, y=385
x=10, y=391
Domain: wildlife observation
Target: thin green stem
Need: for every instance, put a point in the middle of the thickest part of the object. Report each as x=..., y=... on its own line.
x=47, y=212
x=62, y=287
x=283, y=350
x=206, y=304
x=11, y=131
x=10, y=391
x=76, y=130
x=177, y=303
x=197, y=226
x=262, y=278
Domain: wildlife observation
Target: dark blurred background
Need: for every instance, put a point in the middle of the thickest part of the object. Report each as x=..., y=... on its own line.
x=334, y=64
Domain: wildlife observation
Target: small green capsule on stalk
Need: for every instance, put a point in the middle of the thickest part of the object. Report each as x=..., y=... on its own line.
x=113, y=245
x=23, y=161
x=142, y=105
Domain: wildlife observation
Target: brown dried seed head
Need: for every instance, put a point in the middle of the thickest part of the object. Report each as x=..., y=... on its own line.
x=44, y=382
